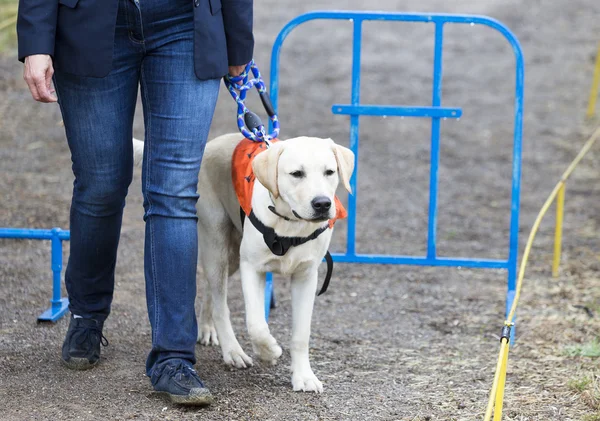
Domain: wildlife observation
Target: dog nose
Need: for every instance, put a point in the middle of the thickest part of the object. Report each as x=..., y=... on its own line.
x=321, y=203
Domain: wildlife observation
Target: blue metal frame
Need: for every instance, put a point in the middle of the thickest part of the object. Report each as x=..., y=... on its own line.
x=435, y=112
x=58, y=305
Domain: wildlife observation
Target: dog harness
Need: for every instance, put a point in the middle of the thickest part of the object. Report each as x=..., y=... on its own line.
x=243, y=179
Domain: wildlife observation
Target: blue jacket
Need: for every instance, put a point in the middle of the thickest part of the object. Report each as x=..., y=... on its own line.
x=79, y=34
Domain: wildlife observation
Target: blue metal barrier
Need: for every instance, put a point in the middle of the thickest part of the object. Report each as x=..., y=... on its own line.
x=435, y=112
x=58, y=305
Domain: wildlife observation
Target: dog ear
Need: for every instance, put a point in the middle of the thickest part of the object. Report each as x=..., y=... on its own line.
x=345, y=163
x=265, y=167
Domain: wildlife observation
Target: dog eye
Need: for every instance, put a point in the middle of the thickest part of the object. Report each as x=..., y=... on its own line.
x=297, y=174
x=329, y=172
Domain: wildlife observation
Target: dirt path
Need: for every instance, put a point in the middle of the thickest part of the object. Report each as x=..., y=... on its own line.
x=390, y=343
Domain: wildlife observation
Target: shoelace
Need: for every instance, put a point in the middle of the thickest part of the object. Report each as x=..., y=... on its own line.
x=88, y=335
x=182, y=370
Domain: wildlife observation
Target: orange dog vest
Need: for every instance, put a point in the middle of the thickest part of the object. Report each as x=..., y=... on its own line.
x=243, y=176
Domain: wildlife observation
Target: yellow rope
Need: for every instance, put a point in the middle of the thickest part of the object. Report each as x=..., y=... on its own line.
x=543, y=211
x=558, y=228
x=497, y=395
x=594, y=89
x=490, y=407
x=504, y=347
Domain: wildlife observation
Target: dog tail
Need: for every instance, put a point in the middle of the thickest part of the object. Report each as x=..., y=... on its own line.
x=138, y=152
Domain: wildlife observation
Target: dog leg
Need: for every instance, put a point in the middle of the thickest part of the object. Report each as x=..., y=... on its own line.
x=263, y=343
x=214, y=260
x=304, y=288
x=207, y=334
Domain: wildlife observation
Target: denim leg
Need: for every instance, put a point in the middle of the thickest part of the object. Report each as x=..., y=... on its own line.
x=98, y=117
x=178, y=110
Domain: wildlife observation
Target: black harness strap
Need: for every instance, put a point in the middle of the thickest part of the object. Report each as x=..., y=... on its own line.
x=329, y=261
x=279, y=246
x=242, y=217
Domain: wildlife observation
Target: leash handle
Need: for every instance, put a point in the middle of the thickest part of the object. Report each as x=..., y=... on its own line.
x=249, y=124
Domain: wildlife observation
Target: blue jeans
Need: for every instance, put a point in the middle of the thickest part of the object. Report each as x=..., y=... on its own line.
x=153, y=48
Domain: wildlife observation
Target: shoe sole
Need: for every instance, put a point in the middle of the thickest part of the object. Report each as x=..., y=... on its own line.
x=79, y=363
x=202, y=397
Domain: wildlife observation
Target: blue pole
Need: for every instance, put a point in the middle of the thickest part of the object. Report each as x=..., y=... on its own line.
x=58, y=305
x=31, y=234
x=56, y=245
x=513, y=257
x=435, y=141
x=268, y=293
x=354, y=137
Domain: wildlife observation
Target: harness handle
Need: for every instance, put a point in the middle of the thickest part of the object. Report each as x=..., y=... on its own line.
x=249, y=124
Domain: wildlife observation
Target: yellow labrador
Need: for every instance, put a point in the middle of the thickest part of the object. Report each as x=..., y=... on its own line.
x=297, y=178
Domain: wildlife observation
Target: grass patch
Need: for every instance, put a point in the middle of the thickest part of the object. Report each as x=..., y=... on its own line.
x=579, y=385
x=588, y=389
x=592, y=417
x=590, y=349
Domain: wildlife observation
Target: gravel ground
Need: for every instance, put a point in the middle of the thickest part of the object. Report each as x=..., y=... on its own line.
x=389, y=342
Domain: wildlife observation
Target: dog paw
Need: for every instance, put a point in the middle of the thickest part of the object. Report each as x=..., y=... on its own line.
x=267, y=349
x=207, y=335
x=237, y=358
x=306, y=382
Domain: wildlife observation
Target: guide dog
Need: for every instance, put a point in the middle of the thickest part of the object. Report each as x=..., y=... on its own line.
x=293, y=195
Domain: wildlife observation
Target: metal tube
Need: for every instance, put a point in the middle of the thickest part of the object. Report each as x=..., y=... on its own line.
x=435, y=141
x=268, y=293
x=31, y=234
x=56, y=245
x=419, y=261
x=396, y=111
x=513, y=246
x=354, y=136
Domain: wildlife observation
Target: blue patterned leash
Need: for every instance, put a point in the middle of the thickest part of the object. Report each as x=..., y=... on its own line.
x=249, y=123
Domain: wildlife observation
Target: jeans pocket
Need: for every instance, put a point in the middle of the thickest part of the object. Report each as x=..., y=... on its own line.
x=215, y=6
x=69, y=3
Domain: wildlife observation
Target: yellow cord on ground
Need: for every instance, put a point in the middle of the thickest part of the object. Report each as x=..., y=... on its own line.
x=594, y=91
x=558, y=228
x=504, y=347
x=497, y=396
x=490, y=407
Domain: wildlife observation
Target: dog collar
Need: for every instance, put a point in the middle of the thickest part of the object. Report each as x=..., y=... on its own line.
x=272, y=209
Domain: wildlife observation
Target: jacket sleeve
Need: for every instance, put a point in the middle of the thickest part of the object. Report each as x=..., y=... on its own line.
x=237, y=17
x=36, y=27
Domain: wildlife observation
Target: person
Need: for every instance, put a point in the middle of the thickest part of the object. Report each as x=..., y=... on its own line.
x=96, y=53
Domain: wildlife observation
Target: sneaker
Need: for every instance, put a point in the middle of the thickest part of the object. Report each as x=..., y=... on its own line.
x=81, y=349
x=181, y=384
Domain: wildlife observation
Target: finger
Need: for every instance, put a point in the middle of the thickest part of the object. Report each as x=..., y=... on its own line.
x=43, y=91
x=32, y=88
x=49, y=87
x=29, y=81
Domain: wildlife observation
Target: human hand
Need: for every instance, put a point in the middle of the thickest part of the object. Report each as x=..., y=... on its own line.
x=38, y=76
x=236, y=70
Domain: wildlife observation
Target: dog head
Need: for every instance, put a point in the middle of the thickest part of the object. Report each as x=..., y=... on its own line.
x=304, y=172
